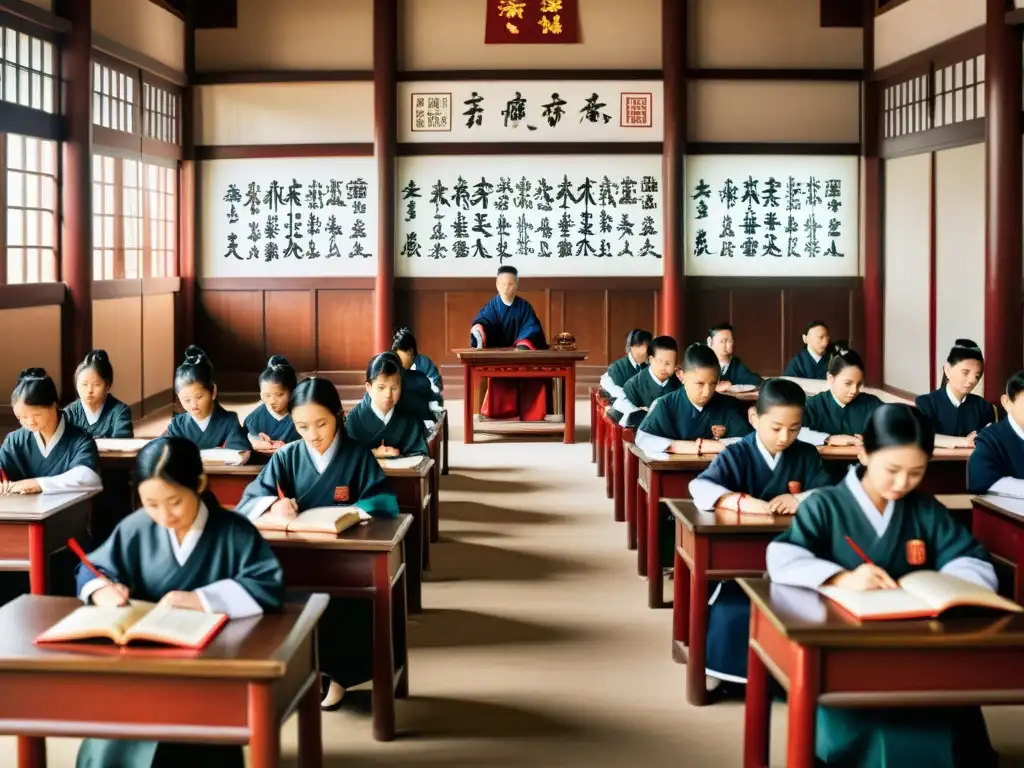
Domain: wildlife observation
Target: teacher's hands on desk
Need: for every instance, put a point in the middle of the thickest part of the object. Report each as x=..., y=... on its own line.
x=8, y=488
x=865, y=577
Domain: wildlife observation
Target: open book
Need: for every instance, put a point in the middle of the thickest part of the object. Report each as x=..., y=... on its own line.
x=125, y=444
x=316, y=520
x=138, y=621
x=400, y=462
x=221, y=456
x=922, y=594
x=950, y=441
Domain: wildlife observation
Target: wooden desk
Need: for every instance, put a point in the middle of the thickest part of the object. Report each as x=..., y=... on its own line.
x=593, y=392
x=947, y=469
x=998, y=525
x=412, y=488
x=365, y=562
x=624, y=437
x=611, y=434
x=599, y=431
x=821, y=656
x=39, y=525
x=504, y=363
x=710, y=545
x=237, y=690
x=437, y=445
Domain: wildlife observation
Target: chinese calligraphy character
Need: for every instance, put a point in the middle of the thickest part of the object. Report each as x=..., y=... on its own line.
x=750, y=191
x=504, y=192
x=356, y=189
x=812, y=248
x=771, y=248
x=542, y=195
x=481, y=192
x=460, y=194
x=515, y=111
x=813, y=190
x=700, y=245
x=334, y=230
x=334, y=198
x=410, y=192
x=553, y=111
x=750, y=225
x=770, y=193
x=833, y=191
x=552, y=26
x=728, y=194
x=233, y=246
x=274, y=196
x=475, y=113
x=511, y=9
x=437, y=198
x=522, y=199
x=412, y=246
x=252, y=198
x=592, y=110
x=315, y=195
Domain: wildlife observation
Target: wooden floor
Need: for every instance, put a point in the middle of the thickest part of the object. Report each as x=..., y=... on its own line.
x=536, y=648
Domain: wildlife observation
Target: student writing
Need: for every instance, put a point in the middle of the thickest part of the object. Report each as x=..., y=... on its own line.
x=48, y=454
x=180, y=549
x=96, y=411
x=269, y=426
x=996, y=464
x=721, y=339
x=404, y=345
x=900, y=531
x=811, y=362
x=325, y=469
x=204, y=422
x=633, y=362
x=952, y=408
x=377, y=422
x=640, y=392
x=840, y=414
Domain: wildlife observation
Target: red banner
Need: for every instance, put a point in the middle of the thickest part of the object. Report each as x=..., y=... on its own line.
x=532, y=21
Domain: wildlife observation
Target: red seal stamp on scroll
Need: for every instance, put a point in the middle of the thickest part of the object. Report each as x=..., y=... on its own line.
x=341, y=493
x=916, y=553
x=794, y=487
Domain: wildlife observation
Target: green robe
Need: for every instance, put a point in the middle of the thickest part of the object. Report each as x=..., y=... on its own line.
x=404, y=431
x=823, y=414
x=949, y=737
x=642, y=390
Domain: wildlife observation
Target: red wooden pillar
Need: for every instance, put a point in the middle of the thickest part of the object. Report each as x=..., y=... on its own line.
x=673, y=63
x=385, y=122
x=76, y=191
x=1003, y=334
x=185, y=315
x=874, y=277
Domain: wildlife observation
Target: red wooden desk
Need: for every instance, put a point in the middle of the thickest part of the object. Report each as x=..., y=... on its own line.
x=478, y=364
x=593, y=423
x=947, y=469
x=821, y=656
x=600, y=431
x=238, y=690
x=998, y=525
x=611, y=434
x=366, y=562
x=35, y=526
x=621, y=490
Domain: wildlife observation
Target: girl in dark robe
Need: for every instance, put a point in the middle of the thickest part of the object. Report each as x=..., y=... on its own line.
x=768, y=472
x=180, y=549
x=269, y=426
x=952, y=408
x=404, y=345
x=326, y=469
x=96, y=411
x=640, y=392
x=633, y=362
x=811, y=362
x=877, y=507
x=722, y=340
x=996, y=464
x=204, y=422
x=377, y=422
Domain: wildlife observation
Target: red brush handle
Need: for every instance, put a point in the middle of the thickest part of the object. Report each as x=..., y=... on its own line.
x=75, y=547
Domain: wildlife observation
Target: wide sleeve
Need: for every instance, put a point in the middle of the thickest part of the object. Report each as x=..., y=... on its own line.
x=258, y=583
x=655, y=432
x=817, y=475
x=83, y=469
x=414, y=434
x=110, y=559
x=985, y=467
x=485, y=324
x=743, y=375
x=718, y=480
x=799, y=557
x=261, y=493
x=431, y=371
x=249, y=425
x=737, y=423
x=373, y=495
x=174, y=426
x=236, y=438
x=530, y=328
x=923, y=403
x=8, y=458
x=122, y=422
x=957, y=553
x=608, y=385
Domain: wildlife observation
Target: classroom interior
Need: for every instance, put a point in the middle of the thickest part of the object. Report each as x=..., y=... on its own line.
x=124, y=124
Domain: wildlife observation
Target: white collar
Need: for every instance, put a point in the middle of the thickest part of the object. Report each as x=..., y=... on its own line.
x=880, y=522
x=952, y=398
x=698, y=408
x=814, y=357
x=386, y=418
x=203, y=423
x=90, y=416
x=633, y=363
x=189, y=541
x=1016, y=427
x=506, y=303
x=659, y=383
x=58, y=433
x=412, y=367
x=276, y=416
x=836, y=399
x=771, y=461
x=321, y=462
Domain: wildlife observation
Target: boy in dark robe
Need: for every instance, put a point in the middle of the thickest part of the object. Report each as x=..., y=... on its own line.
x=811, y=362
x=721, y=339
x=640, y=391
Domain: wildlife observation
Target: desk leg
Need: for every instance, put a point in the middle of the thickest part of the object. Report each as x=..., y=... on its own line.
x=593, y=425
x=569, y=405
x=640, y=539
x=696, y=692
x=383, y=653
x=444, y=445
x=609, y=461
x=31, y=752
x=680, y=600
x=37, y=560
x=265, y=741
x=803, y=695
x=601, y=429
x=617, y=479
x=401, y=619
x=435, y=504
x=467, y=404
x=655, y=579
x=311, y=749
x=632, y=489
x=414, y=566
x=757, y=715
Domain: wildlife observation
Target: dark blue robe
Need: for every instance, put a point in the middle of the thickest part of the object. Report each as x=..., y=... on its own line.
x=738, y=373
x=998, y=453
x=974, y=414
x=417, y=396
x=404, y=431
x=115, y=419
x=823, y=414
x=426, y=366
x=642, y=391
x=803, y=366
x=223, y=431
x=622, y=370
x=675, y=417
x=20, y=458
x=260, y=420
x=505, y=325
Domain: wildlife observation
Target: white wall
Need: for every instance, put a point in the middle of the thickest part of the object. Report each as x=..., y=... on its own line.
x=919, y=24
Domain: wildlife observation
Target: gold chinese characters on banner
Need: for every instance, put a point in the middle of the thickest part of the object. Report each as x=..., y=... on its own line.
x=532, y=21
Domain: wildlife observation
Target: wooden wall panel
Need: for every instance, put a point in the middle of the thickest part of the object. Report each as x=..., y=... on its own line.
x=757, y=317
x=344, y=330
x=158, y=361
x=586, y=318
x=117, y=328
x=291, y=327
x=230, y=330
x=32, y=339
x=628, y=310
x=460, y=307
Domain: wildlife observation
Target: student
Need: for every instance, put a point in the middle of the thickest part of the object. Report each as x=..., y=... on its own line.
x=180, y=549
x=722, y=340
x=996, y=464
x=811, y=362
x=377, y=422
x=322, y=470
x=96, y=411
x=767, y=472
x=420, y=399
x=952, y=409
x=48, y=454
x=878, y=508
x=269, y=426
x=205, y=422
x=840, y=414
x=404, y=345
x=622, y=370
x=640, y=392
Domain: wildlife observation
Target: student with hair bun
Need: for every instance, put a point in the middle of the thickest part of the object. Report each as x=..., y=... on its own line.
x=96, y=411
x=953, y=408
x=377, y=422
x=626, y=367
x=269, y=426
x=404, y=345
x=48, y=454
x=839, y=415
x=204, y=422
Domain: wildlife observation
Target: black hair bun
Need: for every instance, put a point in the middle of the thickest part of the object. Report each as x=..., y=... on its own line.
x=402, y=332
x=278, y=361
x=97, y=356
x=841, y=347
x=965, y=344
x=194, y=355
x=32, y=373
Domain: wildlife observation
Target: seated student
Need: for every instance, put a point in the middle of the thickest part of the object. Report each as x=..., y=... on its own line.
x=48, y=454
x=96, y=411
x=322, y=470
x=180, y=549
x=420, y=400
x=622, y=370
x=840, y=414
x=205, y=422
x=722, y=340
x=269, y=426
x=377, y=422
x=767, y=472
x=952, y=408
x=404, y=345
x=877, y=507
x=811, y=362
x=996, y=464
x=693, y=419
x=640, y=392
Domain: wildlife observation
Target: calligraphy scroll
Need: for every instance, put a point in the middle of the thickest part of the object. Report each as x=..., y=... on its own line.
x=532, y=21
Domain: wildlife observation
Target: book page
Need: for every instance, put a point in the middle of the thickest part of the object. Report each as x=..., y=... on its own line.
x=221, y=456
x=400, y=462
x=97, y=621
x=942, y=591
x=949, y=441
x=125, y=444
x=325, y=519
x=878, y=603
x=177, y=626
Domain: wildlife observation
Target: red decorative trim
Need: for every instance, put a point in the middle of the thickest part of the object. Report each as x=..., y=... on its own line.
x=254, y=151
x=519, y=343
